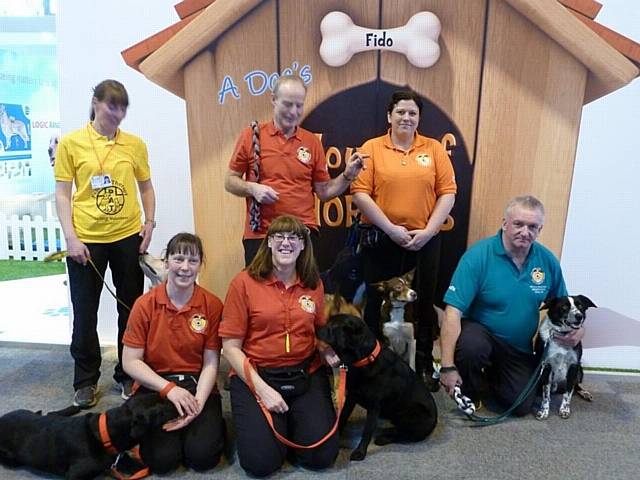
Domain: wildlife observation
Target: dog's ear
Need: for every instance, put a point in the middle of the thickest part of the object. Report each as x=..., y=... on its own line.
x=408, y=277
x=547, y=304
x=585, y=302
x=380, y=286
x=152, y=418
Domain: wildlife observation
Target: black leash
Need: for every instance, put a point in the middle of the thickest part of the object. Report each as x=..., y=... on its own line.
x=466, y=406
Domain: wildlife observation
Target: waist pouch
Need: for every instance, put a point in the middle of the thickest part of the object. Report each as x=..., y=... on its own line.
x=370, y=235
x=288, y=381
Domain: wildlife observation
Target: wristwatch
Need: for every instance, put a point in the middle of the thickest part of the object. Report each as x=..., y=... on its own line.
x=152, y=222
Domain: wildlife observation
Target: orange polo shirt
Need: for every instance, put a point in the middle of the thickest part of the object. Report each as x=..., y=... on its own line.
x=174, y=339
x=262, y=312
x=406, y=185
x=289, y=166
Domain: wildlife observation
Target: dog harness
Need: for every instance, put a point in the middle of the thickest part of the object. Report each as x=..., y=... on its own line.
x=369, y=358
x=105, y=438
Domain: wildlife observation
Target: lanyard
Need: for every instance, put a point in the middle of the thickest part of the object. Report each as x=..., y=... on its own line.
x=95, y=151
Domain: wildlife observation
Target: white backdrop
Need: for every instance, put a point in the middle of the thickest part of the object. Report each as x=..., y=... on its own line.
x=598, y=255
x=90, y=38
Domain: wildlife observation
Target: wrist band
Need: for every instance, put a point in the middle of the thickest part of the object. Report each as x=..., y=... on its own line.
x=452, y=368
x=152, y=222
x=347, y=178
x=166, y=389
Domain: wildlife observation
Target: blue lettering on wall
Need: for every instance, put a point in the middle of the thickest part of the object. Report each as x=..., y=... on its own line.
x=258, y=81
x=227, y=87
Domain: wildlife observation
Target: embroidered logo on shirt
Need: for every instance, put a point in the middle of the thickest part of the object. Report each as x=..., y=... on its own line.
x=537, y=275
x=423, y=159
x=304, y=155
x=307, y=304
x=198, y=323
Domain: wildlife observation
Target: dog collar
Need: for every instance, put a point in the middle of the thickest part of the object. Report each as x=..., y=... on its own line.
x=369, y=358
x=104, y=435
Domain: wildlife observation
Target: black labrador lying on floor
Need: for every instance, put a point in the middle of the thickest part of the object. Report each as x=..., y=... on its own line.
x=381, y=382
x=72, y=446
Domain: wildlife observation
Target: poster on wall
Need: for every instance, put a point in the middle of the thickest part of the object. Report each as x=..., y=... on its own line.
x=29, y=129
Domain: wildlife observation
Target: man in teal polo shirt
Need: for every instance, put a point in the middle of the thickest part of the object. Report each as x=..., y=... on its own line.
x=493, y=306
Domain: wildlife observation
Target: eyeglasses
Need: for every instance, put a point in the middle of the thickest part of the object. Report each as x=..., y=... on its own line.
x=290, y=237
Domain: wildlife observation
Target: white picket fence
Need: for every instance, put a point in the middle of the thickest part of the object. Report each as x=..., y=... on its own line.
x=29, y=239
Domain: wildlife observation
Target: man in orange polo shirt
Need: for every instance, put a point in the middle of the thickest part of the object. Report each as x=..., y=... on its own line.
x=292, y=166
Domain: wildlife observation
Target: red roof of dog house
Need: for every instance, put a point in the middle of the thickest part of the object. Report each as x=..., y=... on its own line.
x=540, y=12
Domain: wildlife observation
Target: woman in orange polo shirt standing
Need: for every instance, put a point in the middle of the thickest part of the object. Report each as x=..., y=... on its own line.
x=270, y=317
x=406, y=190
x=171, y=346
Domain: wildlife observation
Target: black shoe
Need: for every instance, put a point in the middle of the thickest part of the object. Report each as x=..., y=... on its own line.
x=85, y=397
x=126, y=389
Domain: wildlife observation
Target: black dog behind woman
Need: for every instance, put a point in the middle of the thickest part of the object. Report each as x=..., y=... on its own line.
x=72, y=446
x=382, y=383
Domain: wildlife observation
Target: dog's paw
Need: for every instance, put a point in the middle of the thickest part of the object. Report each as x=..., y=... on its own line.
x=358, y=455
x=584, y=394
x=542, y=414
x=565, y=411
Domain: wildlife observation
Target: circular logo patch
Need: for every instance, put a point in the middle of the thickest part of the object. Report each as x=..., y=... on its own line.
x=304, y=155
x=537, y=275
x=307, y=304
x=110, y=200
x=423, y=159
x=198, y=323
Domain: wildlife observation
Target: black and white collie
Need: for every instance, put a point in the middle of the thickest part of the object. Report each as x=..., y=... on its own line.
x=562, y=370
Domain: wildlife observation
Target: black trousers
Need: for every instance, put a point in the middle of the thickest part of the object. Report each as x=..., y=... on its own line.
x=198, y=446
x=86, y=286
x=387, y=260
x=251, y=246
x=486, y=362
x=310, y=417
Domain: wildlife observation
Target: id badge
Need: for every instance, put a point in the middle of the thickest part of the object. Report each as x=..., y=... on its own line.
x=100, y=181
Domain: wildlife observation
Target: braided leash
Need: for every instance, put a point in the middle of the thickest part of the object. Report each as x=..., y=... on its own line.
x=254, y=206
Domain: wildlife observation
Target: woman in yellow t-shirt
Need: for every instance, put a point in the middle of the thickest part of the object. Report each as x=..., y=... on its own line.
x=102, y=226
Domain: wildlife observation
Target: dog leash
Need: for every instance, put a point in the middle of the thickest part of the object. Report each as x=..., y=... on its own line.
x=466, y=406
x=60, y=255
x=254, y=206
x=339, y=400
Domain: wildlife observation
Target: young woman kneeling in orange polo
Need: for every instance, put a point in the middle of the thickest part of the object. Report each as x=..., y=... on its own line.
x=270, y=317
x=171, y=346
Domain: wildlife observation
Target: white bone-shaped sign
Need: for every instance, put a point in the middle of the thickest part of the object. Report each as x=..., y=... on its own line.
x=417, y=40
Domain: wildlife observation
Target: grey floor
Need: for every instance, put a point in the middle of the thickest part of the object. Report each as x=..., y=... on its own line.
x=599, y=441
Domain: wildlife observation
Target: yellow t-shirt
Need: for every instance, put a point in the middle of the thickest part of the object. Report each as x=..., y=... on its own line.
x=107, y=213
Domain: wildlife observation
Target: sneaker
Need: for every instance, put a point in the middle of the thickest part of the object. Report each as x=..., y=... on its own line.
x=126, y=389
x=85, y=397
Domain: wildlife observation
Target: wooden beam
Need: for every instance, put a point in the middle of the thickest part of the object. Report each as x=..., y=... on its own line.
x=187, y=7
x=135, y=54
x=624, y=45
x=164, y=66
x=609, y=67
x=589, y=8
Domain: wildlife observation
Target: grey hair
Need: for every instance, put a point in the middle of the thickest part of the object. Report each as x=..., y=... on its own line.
x=288, y=79
x=525, y=201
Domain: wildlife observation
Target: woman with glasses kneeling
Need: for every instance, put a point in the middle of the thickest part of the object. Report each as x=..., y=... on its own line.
x=270, y=317
x=171, y=346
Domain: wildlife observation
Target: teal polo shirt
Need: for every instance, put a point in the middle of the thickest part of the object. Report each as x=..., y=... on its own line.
x=488, y=288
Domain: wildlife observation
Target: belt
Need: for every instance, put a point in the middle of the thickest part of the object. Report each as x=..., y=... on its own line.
x=181, y=377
